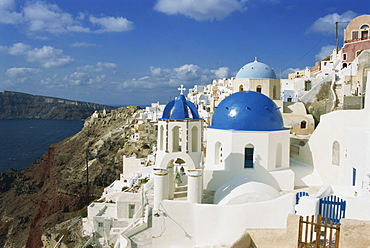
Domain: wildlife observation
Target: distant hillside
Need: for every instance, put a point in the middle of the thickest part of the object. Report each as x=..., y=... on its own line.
x=14, y=105
x=53, y=189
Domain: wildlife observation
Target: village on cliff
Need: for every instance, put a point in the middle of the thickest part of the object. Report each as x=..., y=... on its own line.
x=251, y=161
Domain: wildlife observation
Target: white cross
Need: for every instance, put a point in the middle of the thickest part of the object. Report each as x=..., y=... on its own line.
x=181, y=89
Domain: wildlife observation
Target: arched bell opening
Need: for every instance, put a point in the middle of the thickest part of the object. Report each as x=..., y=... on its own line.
x=177, y=179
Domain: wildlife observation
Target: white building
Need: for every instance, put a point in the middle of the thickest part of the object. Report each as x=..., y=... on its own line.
x=153, y=112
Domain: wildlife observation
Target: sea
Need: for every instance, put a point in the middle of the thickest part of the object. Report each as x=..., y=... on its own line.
x=23, y=141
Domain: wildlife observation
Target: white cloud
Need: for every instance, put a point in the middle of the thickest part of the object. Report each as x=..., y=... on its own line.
x=188, y=74
x=325, y=51
x=54, y=81
x=200, y=9
x=327, y=23
x=7, y=13
x=41, y=17
x=112, y=24
x=106, y=65
x=47, y=56
x=83, y=44
x=95, y=76
x=76, y=79
x=222, y=72
x=21, y=72
x=99, y=66
x=19, y=49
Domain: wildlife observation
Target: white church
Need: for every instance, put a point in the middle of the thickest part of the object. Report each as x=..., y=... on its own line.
x=246, y=166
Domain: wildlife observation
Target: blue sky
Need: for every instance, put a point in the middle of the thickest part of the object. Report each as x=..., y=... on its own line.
x=134, y=52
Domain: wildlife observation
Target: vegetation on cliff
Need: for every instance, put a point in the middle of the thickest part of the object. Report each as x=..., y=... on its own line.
x=53, y=189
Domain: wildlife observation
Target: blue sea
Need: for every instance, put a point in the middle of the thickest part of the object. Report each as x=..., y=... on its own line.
x=23, y=141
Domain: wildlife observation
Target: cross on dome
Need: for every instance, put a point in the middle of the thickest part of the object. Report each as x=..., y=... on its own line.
x=181, y=89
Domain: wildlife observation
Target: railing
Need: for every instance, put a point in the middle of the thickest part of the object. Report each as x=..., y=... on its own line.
x=333, y=208
x=319, y=234
x=355, y=40
x=299, y=195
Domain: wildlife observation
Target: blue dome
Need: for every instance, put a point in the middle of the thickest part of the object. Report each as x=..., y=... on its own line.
x=247, y=111
x=256, y=70
x=178, y=109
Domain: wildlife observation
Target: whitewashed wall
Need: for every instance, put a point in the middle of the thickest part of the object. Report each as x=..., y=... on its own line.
x=232, y=165
x=183, y=224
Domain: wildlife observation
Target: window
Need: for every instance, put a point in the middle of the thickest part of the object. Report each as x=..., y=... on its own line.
x=100, y=224
x=176, y=144
x=161, y=138
x=289, y=99
x=131, y=210
x=259, y=89
x=364, y=32
x=303, y=124
x=248, y=156
x=218, y=153
x=335, y=153
x=344, y=56
x=274, y=93
x=241, y=88
x=307, y=85
x=194, y=139
x=354, y=35
x=353, y=176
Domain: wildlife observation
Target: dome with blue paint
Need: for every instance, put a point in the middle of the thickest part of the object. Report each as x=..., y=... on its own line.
x=247, y=111
x=179, y=108
x=256, y=70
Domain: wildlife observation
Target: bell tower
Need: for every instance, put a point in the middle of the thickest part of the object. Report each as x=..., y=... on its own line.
x=179, y=158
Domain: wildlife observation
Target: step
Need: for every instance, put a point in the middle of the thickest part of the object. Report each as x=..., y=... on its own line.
x=180, y=194
x=181, y=188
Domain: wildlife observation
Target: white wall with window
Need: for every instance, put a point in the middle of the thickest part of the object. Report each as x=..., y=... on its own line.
x=264, y=155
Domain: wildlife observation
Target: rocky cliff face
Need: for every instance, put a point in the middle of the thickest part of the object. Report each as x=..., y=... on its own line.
x=20, y=105
x=53, y=189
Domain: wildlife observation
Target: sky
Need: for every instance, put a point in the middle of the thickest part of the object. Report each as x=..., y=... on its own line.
x=135, y=52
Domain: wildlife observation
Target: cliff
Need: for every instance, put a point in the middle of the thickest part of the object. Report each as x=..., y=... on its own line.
x=14, y=105
x=53, y=189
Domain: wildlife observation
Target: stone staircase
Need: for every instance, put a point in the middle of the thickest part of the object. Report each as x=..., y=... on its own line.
x=339, y=95
x=181, y=192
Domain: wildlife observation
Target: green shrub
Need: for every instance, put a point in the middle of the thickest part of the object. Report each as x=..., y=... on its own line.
x=84, y=213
